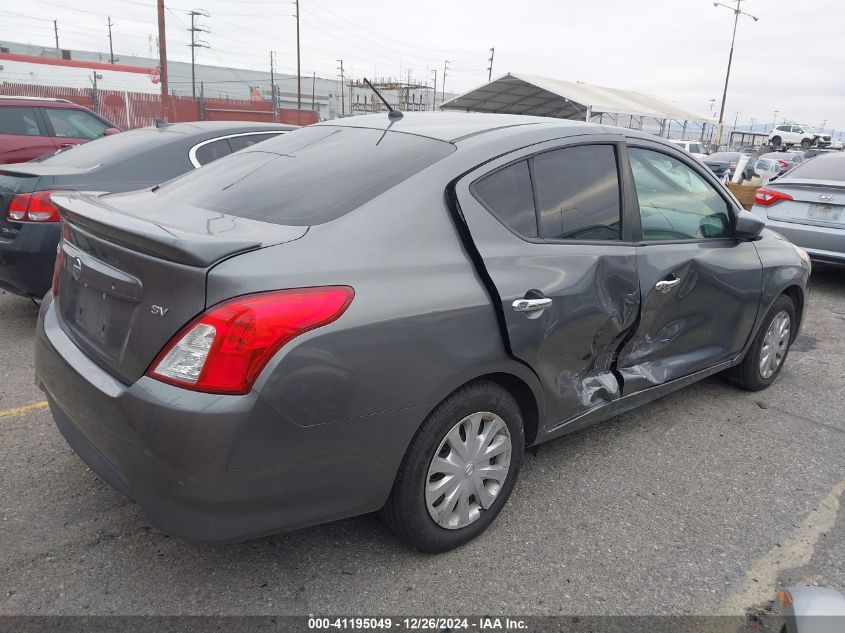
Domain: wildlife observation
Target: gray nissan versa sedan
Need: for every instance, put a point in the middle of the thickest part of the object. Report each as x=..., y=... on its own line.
x=383, y=313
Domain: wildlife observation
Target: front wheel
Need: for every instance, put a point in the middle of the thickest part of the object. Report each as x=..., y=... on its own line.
x=459, y=470
x=764, y=359
x=807, y=143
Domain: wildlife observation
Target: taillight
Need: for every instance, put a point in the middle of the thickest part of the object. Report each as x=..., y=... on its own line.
x=767, y=197
x=224, y=349
x=33, y=207
x=57, y=269
x=783, y=163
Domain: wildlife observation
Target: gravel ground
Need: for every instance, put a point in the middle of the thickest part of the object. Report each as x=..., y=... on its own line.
x=699, y=502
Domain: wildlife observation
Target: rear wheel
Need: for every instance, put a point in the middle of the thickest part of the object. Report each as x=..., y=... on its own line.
x=776, y=141
x=459, y=470
x=764, y=359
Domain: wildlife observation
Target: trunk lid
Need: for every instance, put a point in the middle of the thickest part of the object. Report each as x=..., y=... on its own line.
x=818, y=203
x=132, y=271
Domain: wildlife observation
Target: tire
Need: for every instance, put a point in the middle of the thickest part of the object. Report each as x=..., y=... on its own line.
x=776, y=141
x=807, y=143
x=749, y=374
x=415, y=489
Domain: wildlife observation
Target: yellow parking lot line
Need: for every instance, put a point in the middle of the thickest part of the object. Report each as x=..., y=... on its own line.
x=35, y=406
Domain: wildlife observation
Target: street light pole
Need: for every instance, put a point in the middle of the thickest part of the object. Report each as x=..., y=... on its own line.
x=737, y=10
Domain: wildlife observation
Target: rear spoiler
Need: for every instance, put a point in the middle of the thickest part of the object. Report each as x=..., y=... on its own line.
x=148, y=235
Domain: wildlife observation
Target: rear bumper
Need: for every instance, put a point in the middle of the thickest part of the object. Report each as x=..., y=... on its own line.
x=210, y=467
x=823, y=244
x=26, y=262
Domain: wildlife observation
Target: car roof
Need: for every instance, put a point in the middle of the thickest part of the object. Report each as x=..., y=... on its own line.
x=11, y=100
x=195, y=127
x=452, y=126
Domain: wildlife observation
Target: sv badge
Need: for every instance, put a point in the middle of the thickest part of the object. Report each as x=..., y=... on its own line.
x=159, y=310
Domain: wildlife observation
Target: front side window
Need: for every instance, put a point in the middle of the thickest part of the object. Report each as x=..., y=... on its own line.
x=508, y=194
x=578, y=193
x=675, y=202
x=75, y=123
x=20, y=121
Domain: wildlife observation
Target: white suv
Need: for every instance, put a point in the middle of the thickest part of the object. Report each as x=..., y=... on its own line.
x=695, y=148
x=790, y=134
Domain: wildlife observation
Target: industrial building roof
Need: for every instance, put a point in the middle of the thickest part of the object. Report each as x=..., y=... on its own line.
x=542, y=96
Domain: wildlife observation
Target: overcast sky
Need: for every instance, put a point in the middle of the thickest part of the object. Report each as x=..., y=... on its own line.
x=791, y=60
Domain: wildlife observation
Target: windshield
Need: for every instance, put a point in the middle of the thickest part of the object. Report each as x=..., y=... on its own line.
x=309, y=176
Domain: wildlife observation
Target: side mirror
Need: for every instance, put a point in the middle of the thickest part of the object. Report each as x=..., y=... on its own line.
x=111, y=130
x=748, y=226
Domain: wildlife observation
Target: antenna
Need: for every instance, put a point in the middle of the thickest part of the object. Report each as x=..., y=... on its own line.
x=392, y=113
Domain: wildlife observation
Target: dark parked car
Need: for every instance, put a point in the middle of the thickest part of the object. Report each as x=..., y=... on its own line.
x=31, y=127
x=29, y=221
x=725, y=162
x=785, y=160
x=382, y=314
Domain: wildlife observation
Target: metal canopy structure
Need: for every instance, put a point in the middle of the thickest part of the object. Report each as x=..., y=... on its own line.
x=543, y=96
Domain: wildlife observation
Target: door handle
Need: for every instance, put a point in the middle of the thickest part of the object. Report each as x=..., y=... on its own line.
x=667, y=284
x=531, y=305
x=67, y=144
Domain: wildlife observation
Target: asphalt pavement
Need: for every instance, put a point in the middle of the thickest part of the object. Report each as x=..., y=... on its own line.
x=703, y=502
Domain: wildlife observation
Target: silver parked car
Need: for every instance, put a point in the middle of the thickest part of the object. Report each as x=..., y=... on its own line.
x=807, y=205
x=382, y=313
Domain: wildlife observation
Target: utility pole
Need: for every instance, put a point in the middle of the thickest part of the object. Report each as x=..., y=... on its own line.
x=736, y=118
x=753, y=121
x=712, y=102
x=737, y=10
x=56, y=31
x=111, y=48
x=272, y=87
x=490, y=67
x=342, y=90
x=434, y=94
x=775, y=119
x=195, y=44
x=298, y=72
x=445, y=68
x=162, y=59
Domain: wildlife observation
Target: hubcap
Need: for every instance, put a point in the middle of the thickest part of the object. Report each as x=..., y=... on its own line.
x=468, y=470
x=775, y=345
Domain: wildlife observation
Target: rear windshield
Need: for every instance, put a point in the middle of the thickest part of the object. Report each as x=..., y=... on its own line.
x=824, y=167
x=309, y=176
x=108, y=150
x=726, y=156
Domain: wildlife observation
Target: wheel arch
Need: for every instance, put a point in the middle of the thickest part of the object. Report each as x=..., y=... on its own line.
x=796, y=294
x=526, y=398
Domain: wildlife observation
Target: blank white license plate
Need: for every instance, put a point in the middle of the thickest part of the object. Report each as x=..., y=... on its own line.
x=826, y=212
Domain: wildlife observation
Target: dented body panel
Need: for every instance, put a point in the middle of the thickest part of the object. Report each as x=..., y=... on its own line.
x=704, y=320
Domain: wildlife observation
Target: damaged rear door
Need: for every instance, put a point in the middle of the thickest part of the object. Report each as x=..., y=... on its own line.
x=700, y=286
x=548, y=236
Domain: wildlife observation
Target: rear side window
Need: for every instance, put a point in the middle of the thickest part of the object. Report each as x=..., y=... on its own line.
x=578, y=193
x=824, y=167
x=212, y=151
x=242, y=142
x=74, y=123
x=508, y=195
x=21, y=121
x=309, y=176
